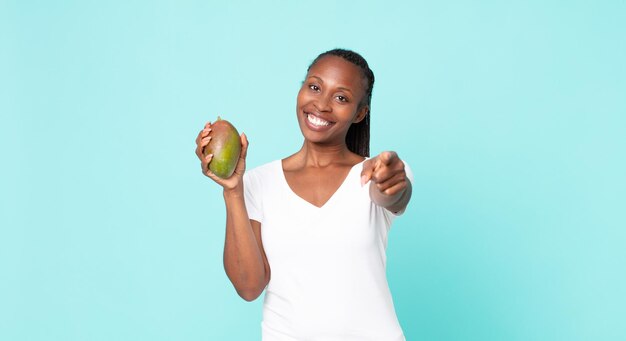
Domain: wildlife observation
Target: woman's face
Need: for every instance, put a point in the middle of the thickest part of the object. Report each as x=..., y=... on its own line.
x=328, y=101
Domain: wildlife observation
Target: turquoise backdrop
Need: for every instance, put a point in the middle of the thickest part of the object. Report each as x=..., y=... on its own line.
x=511, y=114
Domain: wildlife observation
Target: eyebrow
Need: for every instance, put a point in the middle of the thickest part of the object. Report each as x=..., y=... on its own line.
x=340, y=88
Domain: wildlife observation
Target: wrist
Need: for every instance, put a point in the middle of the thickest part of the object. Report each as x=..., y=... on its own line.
x=231, y=193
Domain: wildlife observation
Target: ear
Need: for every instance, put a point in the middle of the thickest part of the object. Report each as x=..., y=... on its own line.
x=363, y=111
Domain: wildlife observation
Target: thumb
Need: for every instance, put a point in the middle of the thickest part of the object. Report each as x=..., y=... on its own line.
x=244, y=145
x=368, y=170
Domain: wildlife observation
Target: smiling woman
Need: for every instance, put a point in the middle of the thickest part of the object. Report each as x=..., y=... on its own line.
x=305, y=228
x=331, y=98
x=357, y=138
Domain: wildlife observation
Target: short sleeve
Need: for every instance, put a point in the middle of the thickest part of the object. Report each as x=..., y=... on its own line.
x=252, y=196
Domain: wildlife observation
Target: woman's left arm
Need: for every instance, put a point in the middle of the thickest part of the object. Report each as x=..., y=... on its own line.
x=389, y=187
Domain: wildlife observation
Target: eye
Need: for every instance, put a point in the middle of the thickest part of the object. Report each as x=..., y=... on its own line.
x=314, y=87
x=342, y=98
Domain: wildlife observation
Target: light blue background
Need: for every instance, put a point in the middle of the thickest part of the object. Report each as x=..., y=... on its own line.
x=511, y=114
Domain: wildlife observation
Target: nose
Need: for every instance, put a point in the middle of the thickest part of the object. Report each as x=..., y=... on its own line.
x=322, y=103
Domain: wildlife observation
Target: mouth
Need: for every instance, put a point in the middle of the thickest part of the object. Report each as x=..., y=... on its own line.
x=316, y=121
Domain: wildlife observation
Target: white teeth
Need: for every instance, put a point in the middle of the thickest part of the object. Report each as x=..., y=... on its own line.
x=316, y=120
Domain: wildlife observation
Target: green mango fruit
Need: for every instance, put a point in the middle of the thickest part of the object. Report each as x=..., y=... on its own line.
x=225, y=145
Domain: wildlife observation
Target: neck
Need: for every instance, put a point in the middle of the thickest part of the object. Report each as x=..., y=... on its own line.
x=315, y=155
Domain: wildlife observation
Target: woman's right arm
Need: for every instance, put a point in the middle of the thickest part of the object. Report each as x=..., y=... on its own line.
x=245, y=261
x=244, y=258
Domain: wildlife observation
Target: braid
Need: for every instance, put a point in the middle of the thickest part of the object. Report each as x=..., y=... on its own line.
x=358, y=137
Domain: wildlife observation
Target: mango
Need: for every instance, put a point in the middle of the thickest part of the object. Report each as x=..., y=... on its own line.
x=225, y=145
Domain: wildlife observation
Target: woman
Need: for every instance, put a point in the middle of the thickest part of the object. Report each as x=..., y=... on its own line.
x=306, y=227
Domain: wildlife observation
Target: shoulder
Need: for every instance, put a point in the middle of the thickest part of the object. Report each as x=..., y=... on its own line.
x=265, y=171
x=264, y=168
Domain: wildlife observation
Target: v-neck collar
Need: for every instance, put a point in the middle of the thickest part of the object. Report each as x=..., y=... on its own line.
x=337, y=191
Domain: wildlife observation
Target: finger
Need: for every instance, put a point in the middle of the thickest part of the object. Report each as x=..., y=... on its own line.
x=208, y=172
x=386, y=170
x=207, y=125
x=244, y=145
x=396, y=189
x=202, y=134
x=214, y=177
x=201, y=145
x=241, y=163
x=388, y=158
x=382, y=172
x=205, y=141
x=205, y=163
x=199, y=149
x=378, y=165
x=382, y=186
x=368, y=169
x=199, y=137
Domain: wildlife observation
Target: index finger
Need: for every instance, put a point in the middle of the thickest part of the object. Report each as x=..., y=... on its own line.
x=388, y=157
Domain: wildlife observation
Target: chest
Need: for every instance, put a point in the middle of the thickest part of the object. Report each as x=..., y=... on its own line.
x=347, y=221
x=316, y=186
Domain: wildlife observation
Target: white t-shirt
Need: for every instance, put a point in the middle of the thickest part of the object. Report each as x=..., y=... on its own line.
x=328, y=279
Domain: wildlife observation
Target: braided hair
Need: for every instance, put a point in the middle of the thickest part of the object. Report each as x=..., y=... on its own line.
x=358, y=137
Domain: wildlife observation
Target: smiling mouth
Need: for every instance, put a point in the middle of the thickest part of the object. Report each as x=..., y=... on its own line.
x=316, y=121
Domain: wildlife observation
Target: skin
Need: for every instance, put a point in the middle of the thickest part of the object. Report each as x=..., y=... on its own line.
x=245, y=261
x=334, y=90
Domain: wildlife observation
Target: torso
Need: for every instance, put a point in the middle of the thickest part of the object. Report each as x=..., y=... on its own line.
x=328, y=263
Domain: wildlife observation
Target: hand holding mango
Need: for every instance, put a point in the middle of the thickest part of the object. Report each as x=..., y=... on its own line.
x=221, y=151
